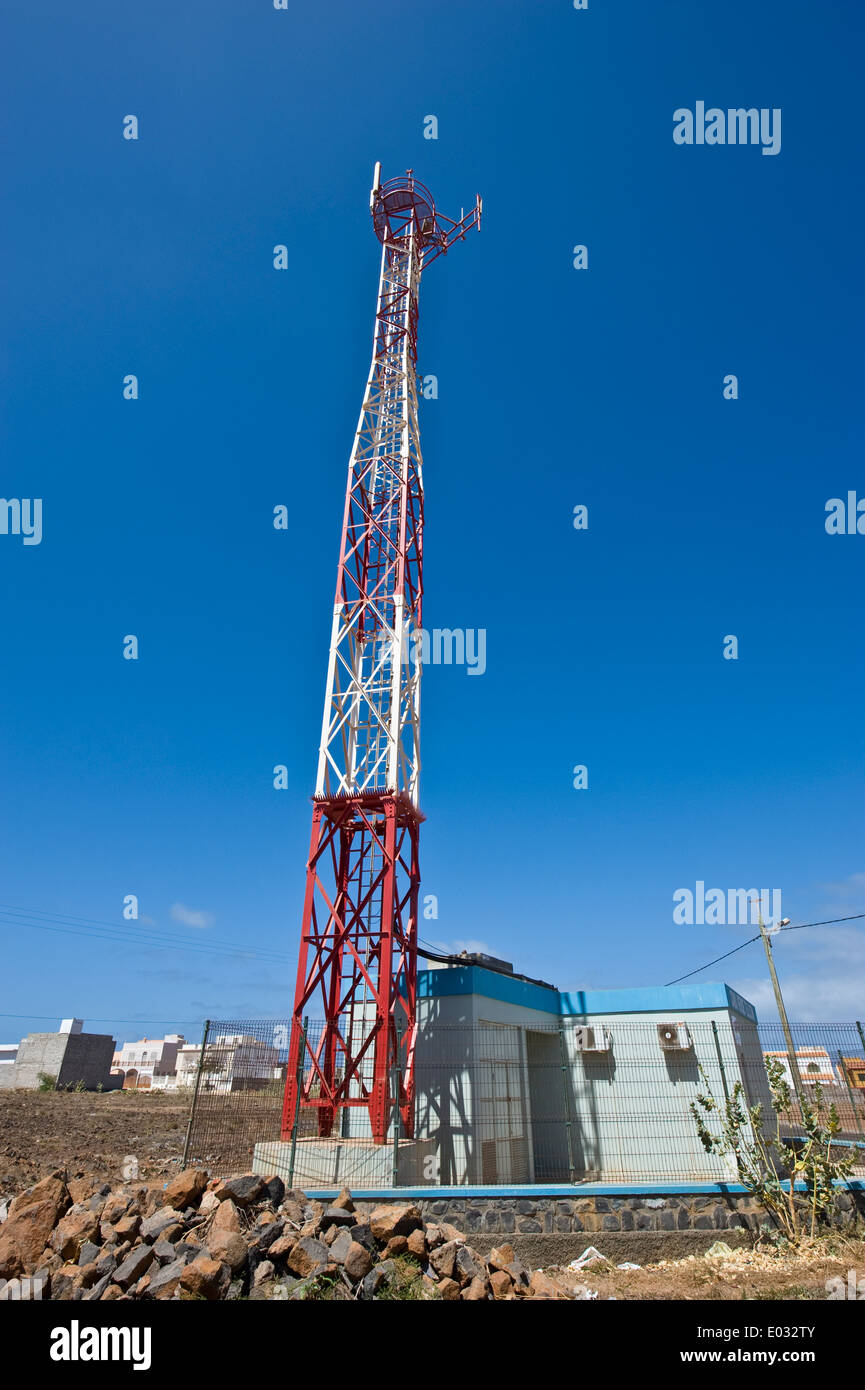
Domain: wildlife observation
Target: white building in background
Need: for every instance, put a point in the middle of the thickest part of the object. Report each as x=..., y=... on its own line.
x=814, y=1063
x=232, y=1062
x=147, y=1065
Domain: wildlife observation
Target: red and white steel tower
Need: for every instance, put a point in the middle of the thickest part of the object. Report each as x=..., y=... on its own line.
x=358, y=948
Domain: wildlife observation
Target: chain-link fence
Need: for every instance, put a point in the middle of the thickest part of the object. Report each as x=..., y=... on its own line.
x=516, y=1103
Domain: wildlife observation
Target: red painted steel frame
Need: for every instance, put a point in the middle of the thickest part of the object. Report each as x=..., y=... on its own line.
x=358, y=960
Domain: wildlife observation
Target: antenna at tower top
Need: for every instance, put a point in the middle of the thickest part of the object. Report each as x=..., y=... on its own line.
x=404, y=205
x=376, y=183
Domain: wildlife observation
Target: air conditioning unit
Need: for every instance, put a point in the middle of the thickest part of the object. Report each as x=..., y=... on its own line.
x=591, y=1039
x=674, y=1037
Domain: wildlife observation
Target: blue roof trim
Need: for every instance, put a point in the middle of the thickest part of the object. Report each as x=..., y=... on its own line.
x=473, y=979
x=585, y=1189
x=509, y=989
x=657, y=999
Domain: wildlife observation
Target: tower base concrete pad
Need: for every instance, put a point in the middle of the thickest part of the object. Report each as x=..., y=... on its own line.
x=348, y=1162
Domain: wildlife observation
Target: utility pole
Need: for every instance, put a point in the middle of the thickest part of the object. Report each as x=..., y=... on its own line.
x=779, y=1000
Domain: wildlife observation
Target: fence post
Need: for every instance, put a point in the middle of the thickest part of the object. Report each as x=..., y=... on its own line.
x=572, y=1170
x=298, y=1082
x=720, y=1059
x=396, y=1125
x=846, y=1075
x=861, y=1036
x=188, y=1140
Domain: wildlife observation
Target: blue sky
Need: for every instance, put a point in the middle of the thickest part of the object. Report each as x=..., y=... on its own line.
x=556, y=387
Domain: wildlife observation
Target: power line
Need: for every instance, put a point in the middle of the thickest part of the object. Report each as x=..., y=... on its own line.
x=126, y=927
x=131, y=934
x=714, y=962
x=160, y=1022
x=130, y=939
x=430, y=953
x=828, y=921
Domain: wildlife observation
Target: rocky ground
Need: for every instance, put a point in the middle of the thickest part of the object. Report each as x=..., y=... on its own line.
x=242, y=1237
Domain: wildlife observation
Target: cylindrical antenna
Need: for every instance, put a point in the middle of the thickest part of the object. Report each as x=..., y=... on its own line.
x=376, y=182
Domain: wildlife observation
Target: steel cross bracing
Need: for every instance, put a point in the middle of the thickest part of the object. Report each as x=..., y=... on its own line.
x=370, y=735
x=357, y=965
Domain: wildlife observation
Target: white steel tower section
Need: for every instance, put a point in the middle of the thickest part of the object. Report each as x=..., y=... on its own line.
x=370, y=735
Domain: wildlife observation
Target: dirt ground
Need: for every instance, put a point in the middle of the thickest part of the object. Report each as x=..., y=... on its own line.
x=763, y=1273
x=88, y=1134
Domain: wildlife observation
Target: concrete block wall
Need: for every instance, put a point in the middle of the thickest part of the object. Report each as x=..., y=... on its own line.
x=39, y=1052
x=70, y=1057
x=87, y=1058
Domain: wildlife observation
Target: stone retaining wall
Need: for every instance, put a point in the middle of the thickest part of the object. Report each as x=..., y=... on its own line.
x=546, y=1230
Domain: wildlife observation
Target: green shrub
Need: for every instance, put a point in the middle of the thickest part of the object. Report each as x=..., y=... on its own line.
x=407, y=1285
x=46, y=1082
x=763, y=1162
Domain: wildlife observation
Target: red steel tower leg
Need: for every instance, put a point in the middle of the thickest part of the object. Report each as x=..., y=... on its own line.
x=357, y=965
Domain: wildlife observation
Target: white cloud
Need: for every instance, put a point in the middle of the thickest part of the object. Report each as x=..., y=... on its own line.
x=841, y=898
x=832, y=998
x=831, y=945
x=191, y=916
x=853, y=883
